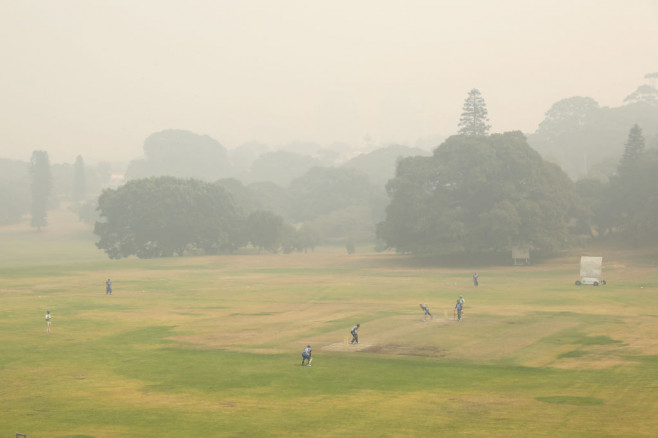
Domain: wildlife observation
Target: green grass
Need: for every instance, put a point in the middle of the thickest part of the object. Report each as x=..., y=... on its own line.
x=210, y=346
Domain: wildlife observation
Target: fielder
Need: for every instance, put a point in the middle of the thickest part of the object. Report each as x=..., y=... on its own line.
x=306, y=356
x=48, y=318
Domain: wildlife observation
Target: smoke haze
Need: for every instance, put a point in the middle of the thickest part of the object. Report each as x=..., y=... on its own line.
x=96, y=78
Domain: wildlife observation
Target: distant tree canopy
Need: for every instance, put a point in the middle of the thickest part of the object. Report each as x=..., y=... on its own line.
x=166, y=216
x=332, y=202
x=274, y=198
x=474, y=117
x=380, y=164
x=243, y=196
x=323, y=190
x=567, y=118
x=14, y=190
x=286, y=182
x=633, y=194
x=163, y=216
x=268, y=231
x=244, y=155
x=41, y=185
x=578, y=134
x=14, y=202
x=643, y=94
x=182, y=154
x=79, y=180
x=281, y=167
x=478, y=194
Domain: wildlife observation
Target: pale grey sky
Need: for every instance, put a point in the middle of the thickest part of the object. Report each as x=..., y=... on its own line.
x=96, y=78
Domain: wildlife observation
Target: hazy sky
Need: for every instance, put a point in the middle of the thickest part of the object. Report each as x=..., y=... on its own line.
x=96, y=77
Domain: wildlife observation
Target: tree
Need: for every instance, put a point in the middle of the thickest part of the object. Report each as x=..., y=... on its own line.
x=268, y=231
x=323, y=190
x=634, y=146
x=633, y=191
x=626, y=189
x=474, y=117
x=380, y=164
x=79, y=180
x=306, y=238
x=281, y=167
x=274, y=198
x=88, y=211
x=634, y=198
x=14, y=190
x=41, y=185
x=13, y=204
x=163, y=216
x=567, y=118
x=644, y=94
x=243, y=196
x=183, y=154
x=478, y=194
x=578, y=134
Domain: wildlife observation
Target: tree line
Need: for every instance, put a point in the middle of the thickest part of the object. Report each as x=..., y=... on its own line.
x=491, y=193
x=166, y=216
x=477, y=192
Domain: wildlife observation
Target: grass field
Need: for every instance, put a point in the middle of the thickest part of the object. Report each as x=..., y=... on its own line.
x=211, y=346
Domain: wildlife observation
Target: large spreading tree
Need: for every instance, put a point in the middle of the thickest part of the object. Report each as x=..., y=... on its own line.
x=474, y=117
x=478, y=194
x=163, y=216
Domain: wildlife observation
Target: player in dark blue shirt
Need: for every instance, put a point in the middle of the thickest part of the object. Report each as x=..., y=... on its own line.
x=458, y=308
x=427, y=311
x=355, y=335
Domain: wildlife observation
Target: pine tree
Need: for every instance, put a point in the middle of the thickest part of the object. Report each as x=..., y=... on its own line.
x=634, y=146
x=41, y=184
x=633, y=150
x=474, y=117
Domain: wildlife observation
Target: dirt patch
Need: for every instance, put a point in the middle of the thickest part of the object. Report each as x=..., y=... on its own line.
x=405, y=350
x=348, y=348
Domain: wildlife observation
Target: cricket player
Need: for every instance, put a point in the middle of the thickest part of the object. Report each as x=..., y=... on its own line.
x=48, y=318
x=427, y=312
x=306, y=356
x=458, y=308
x=355, y=335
